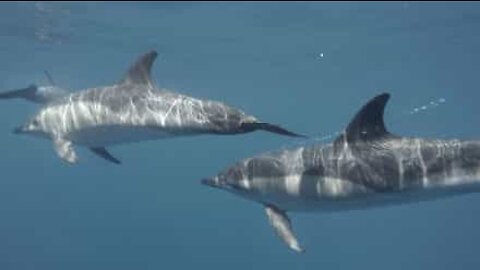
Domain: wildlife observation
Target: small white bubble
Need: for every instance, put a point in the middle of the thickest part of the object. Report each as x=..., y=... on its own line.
x=441, y=100
x=424, y=107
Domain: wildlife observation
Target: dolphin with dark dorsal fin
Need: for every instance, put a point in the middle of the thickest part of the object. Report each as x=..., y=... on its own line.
x=133, y=110
x=366, y=166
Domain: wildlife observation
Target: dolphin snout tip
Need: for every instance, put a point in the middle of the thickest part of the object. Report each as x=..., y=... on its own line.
x=209, y=182
x=17, y=130
x=205, y=181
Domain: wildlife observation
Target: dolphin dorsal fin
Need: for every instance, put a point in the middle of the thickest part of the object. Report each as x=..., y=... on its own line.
x=368, y=123
x=49, y=78
x=140, y=71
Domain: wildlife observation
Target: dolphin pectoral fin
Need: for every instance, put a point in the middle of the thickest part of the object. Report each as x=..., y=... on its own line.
x=270, y=128
x=281, y=223
x=103, y=153
x=65, y=150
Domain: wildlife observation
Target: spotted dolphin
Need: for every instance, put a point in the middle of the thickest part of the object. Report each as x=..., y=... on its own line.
x=366, y=166
x=133, y=110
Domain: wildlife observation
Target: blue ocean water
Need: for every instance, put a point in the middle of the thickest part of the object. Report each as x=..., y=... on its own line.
x=308, y=66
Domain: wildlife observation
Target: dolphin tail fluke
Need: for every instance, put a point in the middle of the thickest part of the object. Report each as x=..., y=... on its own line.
x=26, y=93
x=270, y=128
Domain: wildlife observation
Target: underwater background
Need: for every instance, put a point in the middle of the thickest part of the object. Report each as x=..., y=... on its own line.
x=308, y=66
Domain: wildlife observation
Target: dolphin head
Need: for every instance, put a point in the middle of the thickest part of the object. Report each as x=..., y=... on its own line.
x=252, y=177
x=233, y=179
x=33, y=127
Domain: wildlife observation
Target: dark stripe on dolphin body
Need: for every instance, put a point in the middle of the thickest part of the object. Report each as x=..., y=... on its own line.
x=249, y=127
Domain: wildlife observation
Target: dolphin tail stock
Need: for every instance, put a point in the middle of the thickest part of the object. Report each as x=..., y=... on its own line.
x=20, y=93
x=270, y=128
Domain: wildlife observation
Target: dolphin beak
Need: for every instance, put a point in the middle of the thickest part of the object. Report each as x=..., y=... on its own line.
x=18, y=130
x=211, y=182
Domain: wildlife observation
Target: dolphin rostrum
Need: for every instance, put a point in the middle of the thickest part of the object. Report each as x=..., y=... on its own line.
x=132, y=110
x=366, y=166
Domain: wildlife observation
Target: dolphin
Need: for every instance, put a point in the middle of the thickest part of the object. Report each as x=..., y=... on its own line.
x=133, y=110
x=365, y=166
x=37, y=94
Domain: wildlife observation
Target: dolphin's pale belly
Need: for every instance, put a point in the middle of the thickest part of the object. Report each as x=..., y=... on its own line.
x=332, y=195
x=119, y=130
x=112, y=135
